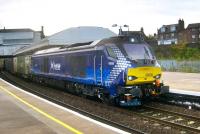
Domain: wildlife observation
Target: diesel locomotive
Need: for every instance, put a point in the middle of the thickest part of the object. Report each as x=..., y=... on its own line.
x=119, y=70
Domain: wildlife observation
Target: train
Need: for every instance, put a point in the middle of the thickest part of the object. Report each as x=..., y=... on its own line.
x=120, y=70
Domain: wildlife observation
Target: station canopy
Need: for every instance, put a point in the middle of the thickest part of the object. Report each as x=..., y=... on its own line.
x=71, y=36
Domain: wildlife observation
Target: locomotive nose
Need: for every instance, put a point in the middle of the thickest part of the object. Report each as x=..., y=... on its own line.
x=141, y=75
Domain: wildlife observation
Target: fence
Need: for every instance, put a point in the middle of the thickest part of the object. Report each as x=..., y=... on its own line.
x=180, y=66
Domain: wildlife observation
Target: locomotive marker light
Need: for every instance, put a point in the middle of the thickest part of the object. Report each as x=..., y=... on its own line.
x=157, y=76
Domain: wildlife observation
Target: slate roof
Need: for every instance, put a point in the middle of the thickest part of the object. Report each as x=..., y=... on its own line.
x=15, y=30
x=193, y=25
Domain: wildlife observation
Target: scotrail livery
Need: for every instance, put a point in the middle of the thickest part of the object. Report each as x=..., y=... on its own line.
x=119, y=70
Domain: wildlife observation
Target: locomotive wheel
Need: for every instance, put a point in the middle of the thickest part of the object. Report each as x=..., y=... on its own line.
x=106, y=99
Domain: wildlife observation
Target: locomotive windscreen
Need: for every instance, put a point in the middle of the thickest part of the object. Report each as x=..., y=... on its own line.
x=139, y=53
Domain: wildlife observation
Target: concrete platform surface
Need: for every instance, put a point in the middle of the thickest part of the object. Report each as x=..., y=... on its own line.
x=23, y=113
x=182, y=81
x=14, y=120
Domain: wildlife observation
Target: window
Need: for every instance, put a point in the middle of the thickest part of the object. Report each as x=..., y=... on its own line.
x=167, y=36
x=199, y=35
x=193, y=36
x=111, y=53
x=172, y=35
x=162, y=29
x=193, y=29
x=172, y=28
x=139, y=54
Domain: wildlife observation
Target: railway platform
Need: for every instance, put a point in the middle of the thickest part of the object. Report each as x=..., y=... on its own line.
x=23, y=112
x=187, y=83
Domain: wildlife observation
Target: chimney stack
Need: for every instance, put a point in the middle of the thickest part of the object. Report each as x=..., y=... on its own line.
x=181, y=24
x=42, y=32
x=142, y=29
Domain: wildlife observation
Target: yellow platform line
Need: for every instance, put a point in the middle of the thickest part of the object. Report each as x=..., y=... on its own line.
x=43, y=113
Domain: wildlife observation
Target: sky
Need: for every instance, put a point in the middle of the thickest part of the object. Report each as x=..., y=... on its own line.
x=57, y=15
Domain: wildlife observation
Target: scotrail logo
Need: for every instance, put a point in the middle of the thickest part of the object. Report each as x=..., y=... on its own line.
x=55, y=66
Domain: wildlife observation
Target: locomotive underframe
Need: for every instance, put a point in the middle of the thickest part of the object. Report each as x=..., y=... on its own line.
x=126, y=96
x=132, y=95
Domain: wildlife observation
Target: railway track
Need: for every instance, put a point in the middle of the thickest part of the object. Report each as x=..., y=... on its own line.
x=158, y=117
x=181, y=100
x=93, y=116
x=179, y=120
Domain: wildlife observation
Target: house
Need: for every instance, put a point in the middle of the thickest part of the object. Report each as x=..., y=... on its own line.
x=169, y=34
x=193, y=33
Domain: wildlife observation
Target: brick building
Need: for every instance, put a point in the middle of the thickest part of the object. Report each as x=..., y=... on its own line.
x=176, y=33
x=193, y=33
x=169, y=34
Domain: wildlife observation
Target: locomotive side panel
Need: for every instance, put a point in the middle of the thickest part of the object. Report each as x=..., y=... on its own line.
x=75, y=67
x=37, y=65
x=80, y=67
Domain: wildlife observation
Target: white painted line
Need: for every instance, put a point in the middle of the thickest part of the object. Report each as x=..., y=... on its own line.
x=70, y=111
x=179, y=91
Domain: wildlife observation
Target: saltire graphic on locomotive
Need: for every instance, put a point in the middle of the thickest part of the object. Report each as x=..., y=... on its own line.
x=119, y=70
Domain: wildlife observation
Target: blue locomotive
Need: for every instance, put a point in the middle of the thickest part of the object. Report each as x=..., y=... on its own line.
x=120, y=70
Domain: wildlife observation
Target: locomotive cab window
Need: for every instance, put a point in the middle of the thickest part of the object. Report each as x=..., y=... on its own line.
x=111, y=53
x=140, y=54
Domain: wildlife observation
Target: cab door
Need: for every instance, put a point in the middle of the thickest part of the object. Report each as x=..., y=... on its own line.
x=98, y=69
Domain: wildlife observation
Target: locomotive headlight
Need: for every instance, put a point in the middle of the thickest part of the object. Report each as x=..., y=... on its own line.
x=157, y=76
x=132, y=40
x=130, y=78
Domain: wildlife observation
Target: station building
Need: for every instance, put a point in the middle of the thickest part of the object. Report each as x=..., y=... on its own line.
x=13, y=39
x=69, y=36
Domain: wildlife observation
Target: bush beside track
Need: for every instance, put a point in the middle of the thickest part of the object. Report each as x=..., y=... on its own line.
x=178, y=52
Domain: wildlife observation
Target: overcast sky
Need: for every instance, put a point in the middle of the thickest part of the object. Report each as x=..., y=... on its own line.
x=57, y=15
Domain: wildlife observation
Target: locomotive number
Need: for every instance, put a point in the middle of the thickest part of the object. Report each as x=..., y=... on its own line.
x=149, y=75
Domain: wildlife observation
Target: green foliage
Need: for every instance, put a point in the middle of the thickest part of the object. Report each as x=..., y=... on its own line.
x=178, y=52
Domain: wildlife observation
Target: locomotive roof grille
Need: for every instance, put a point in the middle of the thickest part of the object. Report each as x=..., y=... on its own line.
x=91, y=44
x=77, y=45
x=80, y=46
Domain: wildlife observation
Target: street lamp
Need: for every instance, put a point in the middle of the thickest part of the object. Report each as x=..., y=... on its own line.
x=127, y=27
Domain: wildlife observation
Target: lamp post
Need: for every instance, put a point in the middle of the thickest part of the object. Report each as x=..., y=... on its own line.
x=120, y=27
x=127, y=27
